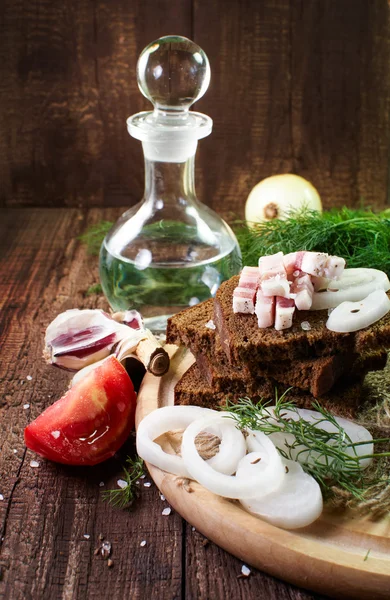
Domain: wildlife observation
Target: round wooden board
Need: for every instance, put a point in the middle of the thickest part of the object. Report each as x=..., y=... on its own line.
x=341, y=555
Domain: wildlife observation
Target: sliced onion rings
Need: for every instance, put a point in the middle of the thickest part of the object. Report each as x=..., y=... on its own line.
x=356, y=433
x=262, y=480
x=353, y=316
x=296, y=503
x=231, y=449
x=353, y=285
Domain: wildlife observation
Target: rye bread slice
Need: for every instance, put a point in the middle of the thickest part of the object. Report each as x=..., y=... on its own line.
x=188, y=328
x=244, y=342
x=193, y=389
x=317, y=375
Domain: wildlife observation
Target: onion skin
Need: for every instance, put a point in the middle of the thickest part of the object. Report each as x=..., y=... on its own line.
x=275, y=196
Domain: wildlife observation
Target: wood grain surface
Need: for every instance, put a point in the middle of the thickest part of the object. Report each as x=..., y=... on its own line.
x=297, y=86
x=47, y=511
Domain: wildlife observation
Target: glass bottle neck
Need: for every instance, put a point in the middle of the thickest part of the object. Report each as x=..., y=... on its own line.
x=169, y=182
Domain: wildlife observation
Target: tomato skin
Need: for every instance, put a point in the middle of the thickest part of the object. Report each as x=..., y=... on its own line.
x=90, y=422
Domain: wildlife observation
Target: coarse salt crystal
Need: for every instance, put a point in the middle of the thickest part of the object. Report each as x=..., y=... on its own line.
x=193, y=301
x=210, y=324
x=26, y=406
x=193, y=528
x=122, y=484
x=142, y=476
x=101, y=484
x=245, y=571
x=167, y=511
x=162, y=497
x=15, y=451
x=34, y=464
x=147, y=484
x=305, y=325
x=29, y=378
x=1, y=497
x=86, y=536
x=55, y=434
x=143, y=543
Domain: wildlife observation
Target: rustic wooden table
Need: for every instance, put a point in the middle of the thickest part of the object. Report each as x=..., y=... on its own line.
x=51, y=516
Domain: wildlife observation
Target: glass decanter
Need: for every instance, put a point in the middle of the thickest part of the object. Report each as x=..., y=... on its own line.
x=169, y=251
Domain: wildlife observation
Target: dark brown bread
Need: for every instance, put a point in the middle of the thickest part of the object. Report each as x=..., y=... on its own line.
x=315, y=375
x=193, y=389
x=188, y=328
x=244, y=342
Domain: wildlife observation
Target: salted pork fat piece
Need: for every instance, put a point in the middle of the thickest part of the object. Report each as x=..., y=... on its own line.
x=244, y=300
x=293, y=261
x=249, y=278
x=317, y=264
x=284, y=311
x=265, y=309
x=303, y=290
x=273, y=276
x=244, y=293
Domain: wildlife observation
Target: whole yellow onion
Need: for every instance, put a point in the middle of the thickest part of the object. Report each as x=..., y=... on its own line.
x=275, y=196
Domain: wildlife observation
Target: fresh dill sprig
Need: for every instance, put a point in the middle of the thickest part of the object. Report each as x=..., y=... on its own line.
x=124, y=497
x=329, y=456
x=95, y=235
x=362, y=237
x=96, y=288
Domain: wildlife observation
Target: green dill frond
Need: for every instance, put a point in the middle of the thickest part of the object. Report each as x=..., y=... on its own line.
x=96, y=288
x=362, y=237
x=124, y=497
x=329, y=456
x=95, y=235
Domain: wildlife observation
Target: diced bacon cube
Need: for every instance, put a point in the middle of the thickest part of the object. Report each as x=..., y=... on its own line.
x=303, y=290
x=265, y=310
x=272, y=265
x=334, y=267
x=276, y=286
x=244, y=300
x=273, y=276
x=249, y=278
x=314, y=263
x=293, y=261
x=284, y=311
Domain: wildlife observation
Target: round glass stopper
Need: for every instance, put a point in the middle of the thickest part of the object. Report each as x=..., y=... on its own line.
x=173, y=72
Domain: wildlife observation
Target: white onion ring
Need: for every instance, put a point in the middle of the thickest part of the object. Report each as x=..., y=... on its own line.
x=231, y=449
x=353, y=316
x=357, y=433
x=296, y=503
x=261, y=482
x=353, y=285
x=159, y=422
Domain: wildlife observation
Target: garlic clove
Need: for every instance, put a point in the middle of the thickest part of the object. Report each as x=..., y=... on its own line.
x=131, y=318
x=77, y=338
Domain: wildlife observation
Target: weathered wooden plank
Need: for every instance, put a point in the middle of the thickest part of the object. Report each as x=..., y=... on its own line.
x=340, y=98
x=248, y=98
x=68, y=84
x=206, y=576
x=298, y=86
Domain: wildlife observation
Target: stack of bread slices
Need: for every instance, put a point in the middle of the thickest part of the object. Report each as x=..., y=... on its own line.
x=234, y=358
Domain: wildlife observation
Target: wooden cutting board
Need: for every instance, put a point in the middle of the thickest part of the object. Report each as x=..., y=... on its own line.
x=342, y=555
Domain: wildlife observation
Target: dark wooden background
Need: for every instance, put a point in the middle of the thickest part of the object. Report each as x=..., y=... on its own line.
x=297, y=86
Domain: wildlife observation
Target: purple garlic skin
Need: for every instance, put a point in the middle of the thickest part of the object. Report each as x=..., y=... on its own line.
x=131, y=318
x=78, y=338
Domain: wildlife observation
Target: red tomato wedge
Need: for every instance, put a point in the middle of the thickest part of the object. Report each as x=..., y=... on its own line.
x=91, y=422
